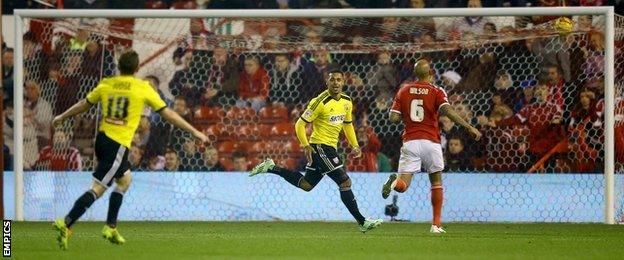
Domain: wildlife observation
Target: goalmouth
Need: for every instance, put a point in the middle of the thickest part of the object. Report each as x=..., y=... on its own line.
x=609, y=61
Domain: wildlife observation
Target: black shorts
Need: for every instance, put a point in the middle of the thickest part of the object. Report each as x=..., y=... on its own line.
x=325, y=160
x=112, y=160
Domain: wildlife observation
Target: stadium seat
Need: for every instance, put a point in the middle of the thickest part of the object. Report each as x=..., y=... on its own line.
x=227, y=132
x=226, y=147
x=293, y=147
x=290, y=163
x=285, y=161
x=243, y=145
x=213, y=129
x=282, y=131
x=238, y=114
x=246, y=132
x=281, y=113
x=273, y=114
x=264, y=130
x=206, y=114
x=227, y=163
x=259, y=147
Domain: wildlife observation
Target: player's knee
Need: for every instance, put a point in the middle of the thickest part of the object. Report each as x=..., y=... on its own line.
x=306, y=186
x=98, y=193
x=435, y=179
x=345, y=185
x=98, y=189
x=123, y=183
x=122, y=188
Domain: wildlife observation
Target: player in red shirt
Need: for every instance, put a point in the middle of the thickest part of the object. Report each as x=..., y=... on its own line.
x=417, y=104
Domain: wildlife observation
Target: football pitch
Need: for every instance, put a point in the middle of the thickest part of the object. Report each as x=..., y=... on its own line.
x=322, y=240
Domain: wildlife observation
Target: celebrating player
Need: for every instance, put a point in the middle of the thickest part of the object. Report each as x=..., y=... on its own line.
x=329, y=113
x=417, y=105
x=123, y=98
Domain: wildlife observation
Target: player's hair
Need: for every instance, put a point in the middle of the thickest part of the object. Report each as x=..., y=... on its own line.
x=334, y=70
x=129, y=63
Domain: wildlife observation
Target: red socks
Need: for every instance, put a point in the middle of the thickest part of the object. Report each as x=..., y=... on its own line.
x=436, y=202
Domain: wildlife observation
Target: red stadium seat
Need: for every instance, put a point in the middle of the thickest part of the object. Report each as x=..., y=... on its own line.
x=209, y=114
x=246, y=132
x=264, y=131
x=213, y=129
x=281, y=113
x=285, y=161
x=242, y=145
x=290, y=163
x=278, y=147
x=282, y=131
x=227, y=163
x=226, y=148
x=273, y=114
x=293, y=147
x=227, y=132
x=259, y=147
x=238, y=114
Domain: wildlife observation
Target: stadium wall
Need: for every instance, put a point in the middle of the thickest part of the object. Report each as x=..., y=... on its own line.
x=172, y=196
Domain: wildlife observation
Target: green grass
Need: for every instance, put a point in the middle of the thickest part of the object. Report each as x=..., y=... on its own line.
x=270, y=240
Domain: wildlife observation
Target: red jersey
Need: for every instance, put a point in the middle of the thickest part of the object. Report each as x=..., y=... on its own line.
x=418, y=104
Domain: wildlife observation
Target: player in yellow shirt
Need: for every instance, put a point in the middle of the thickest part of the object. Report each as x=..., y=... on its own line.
x=329, y=113
x=123, y=99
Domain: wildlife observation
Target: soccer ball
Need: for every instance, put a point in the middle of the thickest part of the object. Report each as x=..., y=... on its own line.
x=564, y=25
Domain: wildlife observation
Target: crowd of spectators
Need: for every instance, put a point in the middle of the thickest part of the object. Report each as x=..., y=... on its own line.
x=538, y=97
x=9, y=5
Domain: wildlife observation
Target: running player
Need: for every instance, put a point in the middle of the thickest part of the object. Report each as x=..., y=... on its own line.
x=329, y=113
x=123, y=98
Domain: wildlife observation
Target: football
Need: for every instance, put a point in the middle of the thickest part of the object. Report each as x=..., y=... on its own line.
x=564, y=25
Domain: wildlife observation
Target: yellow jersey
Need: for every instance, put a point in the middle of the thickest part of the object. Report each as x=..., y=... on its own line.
x=123, y=99
x=327, y=116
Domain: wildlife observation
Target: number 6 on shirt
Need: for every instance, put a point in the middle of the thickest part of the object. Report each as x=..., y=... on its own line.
x=417, y=112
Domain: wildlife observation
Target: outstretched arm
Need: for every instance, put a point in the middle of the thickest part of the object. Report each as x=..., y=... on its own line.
x=175, y=119
x=449, y=111
x=78, y=108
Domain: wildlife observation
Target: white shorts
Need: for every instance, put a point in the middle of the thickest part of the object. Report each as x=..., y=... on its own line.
x=421, y=153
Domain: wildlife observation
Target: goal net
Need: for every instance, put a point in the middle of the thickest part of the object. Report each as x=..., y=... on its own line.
x=535, y=86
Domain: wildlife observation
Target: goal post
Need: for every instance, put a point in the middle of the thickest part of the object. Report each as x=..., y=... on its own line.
x=609, y=61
